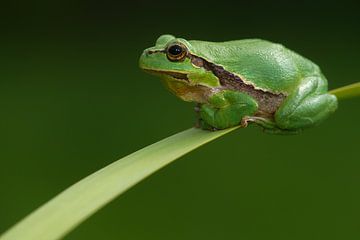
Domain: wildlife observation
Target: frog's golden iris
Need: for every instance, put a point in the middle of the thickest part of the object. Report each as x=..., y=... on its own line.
x=176, y=52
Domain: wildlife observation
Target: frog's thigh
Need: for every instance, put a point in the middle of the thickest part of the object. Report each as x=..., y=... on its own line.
x=306, y=107
x=227, y=108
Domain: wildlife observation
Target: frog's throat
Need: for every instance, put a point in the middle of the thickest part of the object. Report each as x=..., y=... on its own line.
x=176, y=75
x=268, y=102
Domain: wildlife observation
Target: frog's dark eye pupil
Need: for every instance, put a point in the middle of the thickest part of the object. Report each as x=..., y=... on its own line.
x=175, y=50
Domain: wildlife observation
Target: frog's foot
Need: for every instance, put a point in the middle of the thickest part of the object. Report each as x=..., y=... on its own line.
x=268, y=125
x=226, y=109
x=205, y=126
x=200, y=123
x=263, y=122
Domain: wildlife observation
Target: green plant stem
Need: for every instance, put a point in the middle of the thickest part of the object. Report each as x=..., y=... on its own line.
x=349, y=91
x=71, y=207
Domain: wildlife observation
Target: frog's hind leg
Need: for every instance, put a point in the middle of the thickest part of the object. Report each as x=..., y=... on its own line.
x=309, y=105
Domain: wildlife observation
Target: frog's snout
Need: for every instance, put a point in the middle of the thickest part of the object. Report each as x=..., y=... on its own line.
x=146, y=52
x=145, y=59
x=142, y=58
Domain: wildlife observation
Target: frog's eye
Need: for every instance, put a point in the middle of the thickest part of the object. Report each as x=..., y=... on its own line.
x=176, y=52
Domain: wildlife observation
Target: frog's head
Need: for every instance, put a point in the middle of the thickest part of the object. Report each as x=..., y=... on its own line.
x=173, y=60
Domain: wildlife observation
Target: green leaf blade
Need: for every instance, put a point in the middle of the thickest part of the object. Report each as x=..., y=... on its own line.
x=67, y=210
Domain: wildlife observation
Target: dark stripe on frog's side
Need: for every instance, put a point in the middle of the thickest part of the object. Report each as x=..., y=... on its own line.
x=268, y=102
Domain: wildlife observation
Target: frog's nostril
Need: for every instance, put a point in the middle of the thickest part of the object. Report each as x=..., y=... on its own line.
x=148, y=52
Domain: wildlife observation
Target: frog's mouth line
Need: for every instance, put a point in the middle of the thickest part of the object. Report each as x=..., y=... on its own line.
x=176, y=75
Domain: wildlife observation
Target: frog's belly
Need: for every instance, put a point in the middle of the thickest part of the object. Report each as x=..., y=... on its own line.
x=186, y=92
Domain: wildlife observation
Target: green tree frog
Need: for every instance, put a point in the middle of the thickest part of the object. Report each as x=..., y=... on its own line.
x=243, y=81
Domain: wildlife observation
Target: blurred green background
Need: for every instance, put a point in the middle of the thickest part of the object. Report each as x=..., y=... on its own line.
x=73, y=100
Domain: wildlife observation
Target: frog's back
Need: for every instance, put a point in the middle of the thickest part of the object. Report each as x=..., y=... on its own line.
x=264, y=64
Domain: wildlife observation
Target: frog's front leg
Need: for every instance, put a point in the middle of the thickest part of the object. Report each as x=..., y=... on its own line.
x=226, y=109
x=307, y=106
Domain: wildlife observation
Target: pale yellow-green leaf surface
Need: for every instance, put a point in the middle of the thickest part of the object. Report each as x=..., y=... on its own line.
x=71, y=207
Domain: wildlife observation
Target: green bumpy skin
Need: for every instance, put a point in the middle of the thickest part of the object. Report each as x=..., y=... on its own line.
x=241, y=82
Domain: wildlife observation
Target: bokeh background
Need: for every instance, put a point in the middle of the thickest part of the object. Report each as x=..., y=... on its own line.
x=73, y=100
